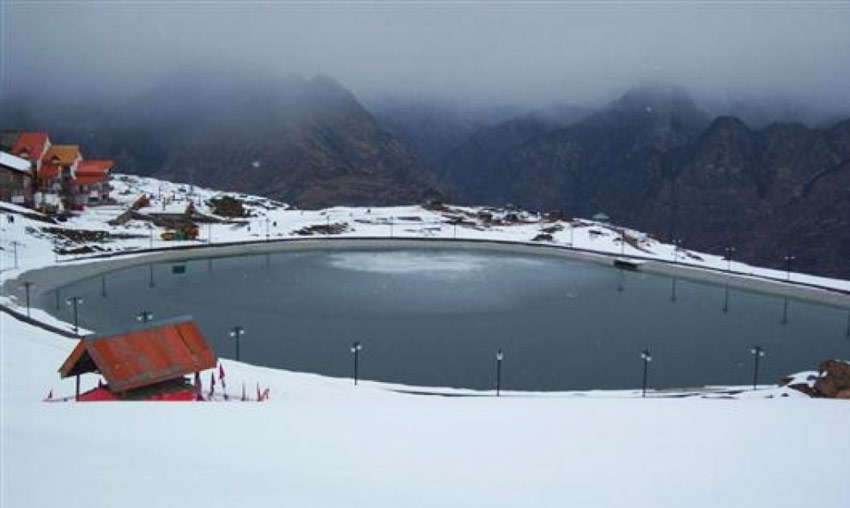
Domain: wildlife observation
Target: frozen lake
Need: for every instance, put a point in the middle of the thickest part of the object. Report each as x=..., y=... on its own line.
x=437, y=317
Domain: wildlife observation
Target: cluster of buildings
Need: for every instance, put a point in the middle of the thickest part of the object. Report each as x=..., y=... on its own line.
x=53, y=178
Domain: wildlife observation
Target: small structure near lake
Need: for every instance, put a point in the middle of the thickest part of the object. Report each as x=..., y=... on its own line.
x=146, y=362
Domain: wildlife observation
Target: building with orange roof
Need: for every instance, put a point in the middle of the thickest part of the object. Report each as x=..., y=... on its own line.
x=57, y=173
x=144, y=362
x=92, y=181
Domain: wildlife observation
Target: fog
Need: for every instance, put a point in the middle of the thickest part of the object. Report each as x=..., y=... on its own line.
x=524, y=53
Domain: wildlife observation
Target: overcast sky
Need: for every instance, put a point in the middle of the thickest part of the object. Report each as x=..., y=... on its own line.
x=521, y=51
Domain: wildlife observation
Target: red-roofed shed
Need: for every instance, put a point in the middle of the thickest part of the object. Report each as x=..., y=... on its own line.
x=147, y=362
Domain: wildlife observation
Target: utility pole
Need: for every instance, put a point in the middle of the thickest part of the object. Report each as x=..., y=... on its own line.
x=356, y=347
x=758, y=353
x=646, y=356
x=75, y=302
x=500, y=355
x=27, y=286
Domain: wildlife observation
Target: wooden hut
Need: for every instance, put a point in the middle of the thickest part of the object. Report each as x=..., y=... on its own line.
x=146, y=362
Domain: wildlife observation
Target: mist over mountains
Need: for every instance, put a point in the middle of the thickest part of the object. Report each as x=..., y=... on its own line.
x=654, y=158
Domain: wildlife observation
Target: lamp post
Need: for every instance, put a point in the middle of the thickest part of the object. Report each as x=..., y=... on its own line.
x=622, y=242
x=27, y=286
x=646, y=356
x=150, y=240
x=75, y=302
x=788, y=261
x=729, y=251
x=15, y=244
x=356, y=347
x=237, y=332
x=758, y=353
x=267, y=228
x=144, y=317
x=676, y=245
x=500, y=355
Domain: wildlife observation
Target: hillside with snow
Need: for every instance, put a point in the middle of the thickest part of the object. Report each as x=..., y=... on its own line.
x=322, y=442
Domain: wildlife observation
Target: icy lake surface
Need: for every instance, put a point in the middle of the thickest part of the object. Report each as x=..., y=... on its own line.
x=436, y=318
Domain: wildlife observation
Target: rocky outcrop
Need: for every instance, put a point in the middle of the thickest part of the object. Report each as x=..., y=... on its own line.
x=832, y=381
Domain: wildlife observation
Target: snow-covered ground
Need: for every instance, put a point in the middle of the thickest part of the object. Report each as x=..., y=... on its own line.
x=322, y=442
x=271, y=220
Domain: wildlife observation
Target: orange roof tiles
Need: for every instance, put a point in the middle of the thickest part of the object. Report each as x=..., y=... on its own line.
x=143, y=355
x=63, y=154
x=30, y=145
x=94, y=167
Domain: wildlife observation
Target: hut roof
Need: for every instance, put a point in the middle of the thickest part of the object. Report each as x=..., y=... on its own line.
x=143, y=355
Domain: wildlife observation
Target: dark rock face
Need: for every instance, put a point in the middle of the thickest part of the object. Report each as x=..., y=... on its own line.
x=310, y=143
x=654, y=161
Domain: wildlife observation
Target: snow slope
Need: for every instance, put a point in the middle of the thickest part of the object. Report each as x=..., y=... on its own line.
x=322, y=442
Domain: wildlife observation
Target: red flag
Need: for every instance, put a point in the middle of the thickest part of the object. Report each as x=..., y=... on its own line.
x=221, y=372
x=244, y=393
x=50, y=394
x=258, y=392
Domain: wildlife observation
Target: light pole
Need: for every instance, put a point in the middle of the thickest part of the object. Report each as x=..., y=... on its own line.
x=237, y=332
x=15, y=244
x=356, y=347
x=673, y=288
x=729, y=251
x=622, y=242
x=676, y=245
x=646, y=356
x=144, y=317
x=75, y=301
x=27, y=286
x=500, y=355
x=267, y=228
x=572, y=228
x=757, y=352
x=788, y=261
x=150, y=230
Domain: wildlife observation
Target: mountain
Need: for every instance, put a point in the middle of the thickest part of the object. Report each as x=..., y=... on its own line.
x=308, y=142
x=469, y=165
x=432, y=126
x=607, y=161
x=655, y=161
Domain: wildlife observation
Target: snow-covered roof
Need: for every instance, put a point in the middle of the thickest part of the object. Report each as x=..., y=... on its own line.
x=10, y=161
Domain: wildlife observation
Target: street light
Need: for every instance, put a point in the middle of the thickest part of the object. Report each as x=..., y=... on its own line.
x=788, y=261
x=757, y=352
x=676, y=245
x=75, y=301
x=237, y=332
x=15, y=244
x=729, y=251
x=27, y=286
x=144, y=317
x=646, y=356
x=500, y=355
x=356, y=347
